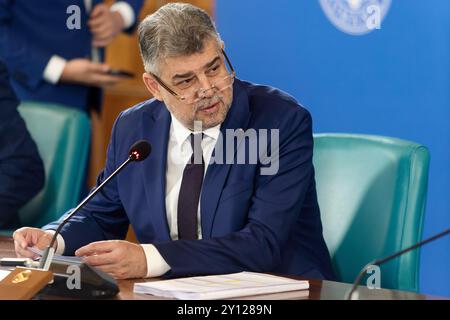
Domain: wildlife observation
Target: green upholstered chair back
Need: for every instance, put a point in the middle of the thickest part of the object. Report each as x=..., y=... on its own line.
x=372, y=193
x=62, y=135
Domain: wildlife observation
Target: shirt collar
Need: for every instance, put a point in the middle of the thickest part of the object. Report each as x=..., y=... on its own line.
x=181, y=133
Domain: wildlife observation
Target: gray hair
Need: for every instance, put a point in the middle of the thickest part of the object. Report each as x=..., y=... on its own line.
x=174, y=30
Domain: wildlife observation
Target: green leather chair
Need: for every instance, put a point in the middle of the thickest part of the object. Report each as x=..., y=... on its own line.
x=372, y=193
x=62, y=135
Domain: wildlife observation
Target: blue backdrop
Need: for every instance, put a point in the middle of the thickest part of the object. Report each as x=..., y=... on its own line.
x=394, y=81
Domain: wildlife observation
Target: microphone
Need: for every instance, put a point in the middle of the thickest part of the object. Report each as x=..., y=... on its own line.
x=139, y=151
x=389, y=258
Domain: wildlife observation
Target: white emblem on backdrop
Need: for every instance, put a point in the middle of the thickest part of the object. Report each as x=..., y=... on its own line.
x=356, y=17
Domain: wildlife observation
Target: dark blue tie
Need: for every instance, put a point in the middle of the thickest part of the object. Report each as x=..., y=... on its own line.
x=191, y=186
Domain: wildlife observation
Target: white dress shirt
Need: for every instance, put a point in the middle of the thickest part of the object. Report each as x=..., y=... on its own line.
x=179, y=152
x=56, y=64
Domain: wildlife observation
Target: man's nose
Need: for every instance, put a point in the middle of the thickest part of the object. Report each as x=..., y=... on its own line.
x=205, y=87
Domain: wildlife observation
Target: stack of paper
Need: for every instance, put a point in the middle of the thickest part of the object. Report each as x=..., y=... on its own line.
x=220, y=286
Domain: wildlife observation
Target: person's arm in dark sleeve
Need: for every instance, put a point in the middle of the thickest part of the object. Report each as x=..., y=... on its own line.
x=105, y=22
x=21, y=168
x=276, y=204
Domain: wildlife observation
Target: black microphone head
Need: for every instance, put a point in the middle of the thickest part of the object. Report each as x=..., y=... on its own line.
x=140, y=150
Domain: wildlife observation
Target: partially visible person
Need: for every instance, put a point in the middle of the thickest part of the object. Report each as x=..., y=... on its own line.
x=52, y=62
x=21, y=168
x=54, y=51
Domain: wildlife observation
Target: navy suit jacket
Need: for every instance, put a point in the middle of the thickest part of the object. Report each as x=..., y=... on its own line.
x=21, y=168
x=249, y=221
x=31, y=32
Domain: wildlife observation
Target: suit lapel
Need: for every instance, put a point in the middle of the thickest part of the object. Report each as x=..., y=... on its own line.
x=216, y=174
x=155, y=128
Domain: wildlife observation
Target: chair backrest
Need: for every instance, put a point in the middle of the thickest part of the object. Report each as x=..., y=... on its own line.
x=372, y=193
x=62, y=135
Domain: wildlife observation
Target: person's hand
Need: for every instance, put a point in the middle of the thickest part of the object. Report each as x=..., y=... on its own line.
x=121, y=259
x=83, y=71
x=30, y=237
x=104, y=25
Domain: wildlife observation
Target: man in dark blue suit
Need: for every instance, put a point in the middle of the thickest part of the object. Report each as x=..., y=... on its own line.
x=229, y=185
x=21, y=168
x=53, y=47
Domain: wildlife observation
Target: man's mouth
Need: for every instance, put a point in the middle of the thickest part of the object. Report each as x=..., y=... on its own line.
x=211, y=108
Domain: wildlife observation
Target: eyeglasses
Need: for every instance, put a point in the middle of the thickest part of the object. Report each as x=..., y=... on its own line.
x=190, y=93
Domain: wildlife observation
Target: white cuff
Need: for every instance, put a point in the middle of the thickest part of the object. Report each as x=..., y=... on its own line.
x=61, y=245
x=156, y=265
x=54, y=69
x=125, y=11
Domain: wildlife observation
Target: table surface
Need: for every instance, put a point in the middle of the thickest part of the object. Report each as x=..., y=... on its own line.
x=318, y=289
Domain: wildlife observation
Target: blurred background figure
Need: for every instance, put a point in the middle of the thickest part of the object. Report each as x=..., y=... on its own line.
x=54, y=51
x=21, y=168
x=51, y=47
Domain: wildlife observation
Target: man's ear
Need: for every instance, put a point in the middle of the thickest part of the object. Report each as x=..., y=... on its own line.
x=152, y=86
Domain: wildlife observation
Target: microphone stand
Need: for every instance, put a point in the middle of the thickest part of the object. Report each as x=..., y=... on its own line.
x=49, y=252
x=393, y=256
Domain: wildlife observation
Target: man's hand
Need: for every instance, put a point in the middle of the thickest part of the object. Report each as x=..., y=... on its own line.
x=85, y=72
x=121, y=259
x=30, y=237
x=104, y=25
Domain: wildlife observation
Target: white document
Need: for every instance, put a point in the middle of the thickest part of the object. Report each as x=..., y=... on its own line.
x=3, y=274
x=220, y=286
